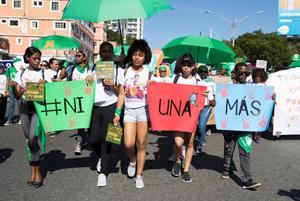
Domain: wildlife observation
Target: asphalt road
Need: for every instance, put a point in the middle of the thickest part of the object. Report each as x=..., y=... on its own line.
x=275, y=163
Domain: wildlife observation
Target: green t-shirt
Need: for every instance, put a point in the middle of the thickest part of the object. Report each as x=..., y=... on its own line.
x=11, y=73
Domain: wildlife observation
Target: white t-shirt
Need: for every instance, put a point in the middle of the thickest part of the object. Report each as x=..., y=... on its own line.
x=161, y=79
x=28, y=76
x=2, y=83
x=76, y=74
x=49, y=73
x=105, y=96
x=135, y=86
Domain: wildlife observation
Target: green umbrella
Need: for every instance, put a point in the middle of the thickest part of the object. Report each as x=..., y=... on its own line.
x=118, y=50
x=102, y=10
x=56, y=42
x=203, y=49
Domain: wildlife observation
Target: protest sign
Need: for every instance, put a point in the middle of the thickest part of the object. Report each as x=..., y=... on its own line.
x=261, y=64
x=34, y=91
x=114, y=134
x=243, y=107
x=67, y=105
x=174, y=107
x=104, y=70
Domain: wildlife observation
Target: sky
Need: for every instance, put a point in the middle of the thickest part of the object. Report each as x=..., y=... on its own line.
x=189, y=17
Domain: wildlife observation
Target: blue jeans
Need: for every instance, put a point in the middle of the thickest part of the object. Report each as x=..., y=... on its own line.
x=203, y=118
x=11, y=108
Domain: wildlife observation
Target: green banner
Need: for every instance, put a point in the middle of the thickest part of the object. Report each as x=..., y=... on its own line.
x=67, y=106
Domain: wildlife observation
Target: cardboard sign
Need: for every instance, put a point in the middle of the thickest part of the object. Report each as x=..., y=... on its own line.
x=104, y=70
x=242, y=107
x=261, y=64
x=174, y=107
x=67, y=105
x=114, y=134
x=2, y=83
x=34, y=91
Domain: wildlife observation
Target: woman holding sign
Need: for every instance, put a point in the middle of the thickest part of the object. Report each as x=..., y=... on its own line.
x=103, y=113
x=133, y=95
x=28, y=114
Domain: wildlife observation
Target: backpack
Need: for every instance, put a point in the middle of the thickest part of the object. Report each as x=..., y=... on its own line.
x=70, y=76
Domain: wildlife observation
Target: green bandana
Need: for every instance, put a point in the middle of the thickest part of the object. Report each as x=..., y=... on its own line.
x=80, y=68
x=246, y=142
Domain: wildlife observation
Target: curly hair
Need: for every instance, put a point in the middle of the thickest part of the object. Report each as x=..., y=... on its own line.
x=140, y=45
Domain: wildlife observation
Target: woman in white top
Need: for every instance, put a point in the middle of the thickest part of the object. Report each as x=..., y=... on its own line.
x=133, y=95
x=53, y=73
x=28, y=114
x=79, y=71
x=187, y=75
x=106, y=96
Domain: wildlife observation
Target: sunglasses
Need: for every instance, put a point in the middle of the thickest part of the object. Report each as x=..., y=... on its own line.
x=246, y=74
x=43, y=65
x=203, y=71
x=162, y=71
x=79, y=55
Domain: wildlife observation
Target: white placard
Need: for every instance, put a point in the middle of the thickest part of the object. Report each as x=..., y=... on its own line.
x=261, y=64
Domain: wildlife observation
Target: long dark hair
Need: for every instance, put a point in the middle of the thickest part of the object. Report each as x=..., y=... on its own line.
x=29, y=52
x=186, y=58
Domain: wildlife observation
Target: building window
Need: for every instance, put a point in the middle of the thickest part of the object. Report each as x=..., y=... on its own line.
x=3, y=21
x=54, y=6
x=31, y=41
x=34, y=24
x=17, y=3
x=60, y=25
x=13, y=23
x=37, y=3
x=3, y=2
x=19, y=41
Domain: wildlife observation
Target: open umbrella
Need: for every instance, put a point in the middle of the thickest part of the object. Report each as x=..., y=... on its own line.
x=203, y=49
x=56, y=42
x=102, y=10
x=118, y=50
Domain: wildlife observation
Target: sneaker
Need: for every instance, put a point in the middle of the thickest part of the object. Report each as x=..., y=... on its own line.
x=186, y=177
x=77, y=149
x=19, y=122
x=225, y=175
x=250, y=184
x=99, y=165
x=176, y=170
x=198, y=151
x=139, y=182
x=8, y=123
x=172, y=158
x=52, y=134
x=101, y=180
x=131, y=169
x=208, y=132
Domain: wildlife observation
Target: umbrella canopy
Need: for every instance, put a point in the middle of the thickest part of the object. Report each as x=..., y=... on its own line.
x=118, y=50
x=56, y=42
x=203, y=49
x=102, y=10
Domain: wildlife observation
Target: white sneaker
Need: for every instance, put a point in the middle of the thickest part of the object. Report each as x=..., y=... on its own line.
x=101, y=180
x=77, y=149
x=131, y=169
x=19, y=122
x=99, y=165
x=208, y=132
x=139, y=182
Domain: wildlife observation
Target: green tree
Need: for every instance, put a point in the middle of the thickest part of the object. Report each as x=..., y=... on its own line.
x=264, y=46
x=115, y=36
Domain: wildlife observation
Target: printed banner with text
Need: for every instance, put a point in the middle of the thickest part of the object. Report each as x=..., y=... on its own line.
x=68, y=105
x=243, y=107
x=174, y=107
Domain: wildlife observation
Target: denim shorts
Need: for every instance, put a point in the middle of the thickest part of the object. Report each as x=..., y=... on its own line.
x=136, y=114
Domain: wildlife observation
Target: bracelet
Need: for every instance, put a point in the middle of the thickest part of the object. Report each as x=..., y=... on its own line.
x=117, y=111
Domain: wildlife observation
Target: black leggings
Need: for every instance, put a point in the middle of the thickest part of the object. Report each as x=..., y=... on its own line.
x=102, y=116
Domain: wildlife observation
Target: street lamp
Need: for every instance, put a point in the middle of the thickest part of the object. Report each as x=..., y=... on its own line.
x=234, y=22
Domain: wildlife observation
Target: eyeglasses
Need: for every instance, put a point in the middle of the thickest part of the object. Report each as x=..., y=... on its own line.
x=246, y=74
x=78, y=55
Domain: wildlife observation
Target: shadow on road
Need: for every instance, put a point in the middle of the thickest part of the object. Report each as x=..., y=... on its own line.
x=5, y=154
x=294, y=194
x=210, y=162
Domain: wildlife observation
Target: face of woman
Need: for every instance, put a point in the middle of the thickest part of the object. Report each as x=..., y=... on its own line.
x=55, y=65
x=34, y=60
x=80, y=58
x=138, y=58
x=106, y=54
x=187, y=69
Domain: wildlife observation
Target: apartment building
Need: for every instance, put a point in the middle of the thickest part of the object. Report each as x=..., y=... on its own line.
x=130, y=27
x=24, y=21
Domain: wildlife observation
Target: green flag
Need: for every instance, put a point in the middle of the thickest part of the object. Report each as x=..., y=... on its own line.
x=246, y=142
x=67, y=106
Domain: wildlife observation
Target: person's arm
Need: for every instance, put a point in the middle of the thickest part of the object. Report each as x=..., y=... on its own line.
x=121, y=99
